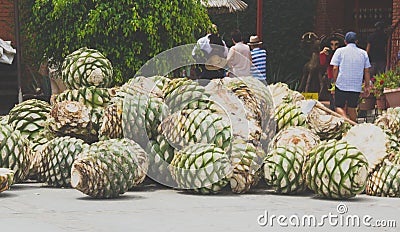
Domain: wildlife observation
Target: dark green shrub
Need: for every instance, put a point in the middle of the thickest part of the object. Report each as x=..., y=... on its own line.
x=128, y=32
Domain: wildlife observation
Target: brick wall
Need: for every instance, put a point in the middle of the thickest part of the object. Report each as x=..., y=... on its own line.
x=396, y=34
x=7, y=20
x=330, y=17
x=338, y=14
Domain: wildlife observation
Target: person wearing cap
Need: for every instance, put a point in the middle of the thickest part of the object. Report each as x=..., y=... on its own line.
x=350, y=69
x=239, y=56
x=259, y=58
x=376, y=49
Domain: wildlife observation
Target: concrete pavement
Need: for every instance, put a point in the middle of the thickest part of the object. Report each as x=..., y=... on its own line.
x=151, y=207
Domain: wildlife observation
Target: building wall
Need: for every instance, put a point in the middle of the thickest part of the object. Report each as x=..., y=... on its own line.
x=330, y=17
x=359, y=16
x=7, y=20
x=356, y=15
x=395, y=48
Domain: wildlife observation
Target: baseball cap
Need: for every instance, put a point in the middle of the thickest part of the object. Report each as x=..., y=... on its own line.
x=351, y=37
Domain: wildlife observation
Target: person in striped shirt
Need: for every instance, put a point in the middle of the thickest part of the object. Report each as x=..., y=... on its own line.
x=259, y=58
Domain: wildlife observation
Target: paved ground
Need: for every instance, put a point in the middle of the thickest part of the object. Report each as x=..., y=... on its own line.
x=31, y=207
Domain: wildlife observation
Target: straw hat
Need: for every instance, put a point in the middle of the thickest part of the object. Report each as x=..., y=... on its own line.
x=215, y=62
x=254, y=40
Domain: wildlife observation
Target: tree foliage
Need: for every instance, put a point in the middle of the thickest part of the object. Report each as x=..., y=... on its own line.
x=128, y=32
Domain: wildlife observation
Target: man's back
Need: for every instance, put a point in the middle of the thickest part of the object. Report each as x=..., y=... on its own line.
x=351, y=61
x=239, y=57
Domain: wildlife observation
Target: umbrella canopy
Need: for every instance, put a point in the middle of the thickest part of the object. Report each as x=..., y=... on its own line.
x=224, y=6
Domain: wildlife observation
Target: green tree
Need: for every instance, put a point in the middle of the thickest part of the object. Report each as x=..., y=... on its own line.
x=128, y=32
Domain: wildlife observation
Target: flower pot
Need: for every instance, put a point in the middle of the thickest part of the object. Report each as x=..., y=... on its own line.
x=392, y=97
x=381, y=102
x=367, y=103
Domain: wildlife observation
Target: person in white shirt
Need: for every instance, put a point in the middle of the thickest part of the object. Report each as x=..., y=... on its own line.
x=350, y=69
x=203, y=44
x=203, y=49
x=239, y=56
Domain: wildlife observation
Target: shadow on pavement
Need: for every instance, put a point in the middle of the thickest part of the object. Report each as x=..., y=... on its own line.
x=226, y=191
x=21, y=187
x=53, y=187
x=7, y=195
x=268, y=191
x=120, y=198
x=353, y=199
x=148, y=185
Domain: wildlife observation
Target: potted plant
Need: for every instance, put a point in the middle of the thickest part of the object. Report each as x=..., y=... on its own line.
x=378, y=85
x=366, y=102
x=391, y=87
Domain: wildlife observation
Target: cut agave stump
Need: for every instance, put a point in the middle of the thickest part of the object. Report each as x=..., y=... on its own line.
x=89, y=96
x=336, y=170
x=366, y=134
x=29, y=118
x=283, y=169
x=109, y=168
x=87, y=67
x=187, y=127
x=203, y=168
x=15, y=152
x=95, y=176
x=384, y=180
x=289, y=114
x=161, y=154
x=70, y=118
x=295, y=136
x=246, y=159
x=389, y=121
x=6, y=179
x=56, y=160
x=78, y=177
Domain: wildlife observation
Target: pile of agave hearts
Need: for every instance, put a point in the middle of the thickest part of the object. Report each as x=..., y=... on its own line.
x=236, y=133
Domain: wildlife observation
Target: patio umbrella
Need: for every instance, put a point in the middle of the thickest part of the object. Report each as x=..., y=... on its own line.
x=224, y=6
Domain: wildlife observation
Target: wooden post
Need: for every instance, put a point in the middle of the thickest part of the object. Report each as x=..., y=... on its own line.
x=18, y=48
x=259, y=18
x=331, y=112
